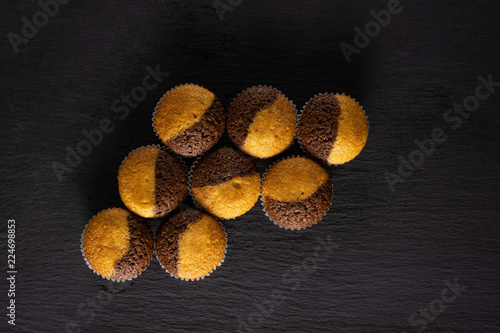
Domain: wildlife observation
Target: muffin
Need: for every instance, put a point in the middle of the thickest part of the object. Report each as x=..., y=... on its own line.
x=117, y=244
x=296, y=193
x=225, y=183
x=333, y=128
x=261, y=122
x=189, y=119
x=152, y=182
x=190, y=244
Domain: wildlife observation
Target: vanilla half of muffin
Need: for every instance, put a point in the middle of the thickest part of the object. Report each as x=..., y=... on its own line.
x=296, y=193
x=190, y=244
x=152, y=182
x=118, y=244
x=333, y=128
x=226, y=183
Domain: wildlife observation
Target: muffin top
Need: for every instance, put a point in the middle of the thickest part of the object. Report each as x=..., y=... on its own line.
x=189, y=119
x=190, y=244
x=333, y=128
x=261, y=122
x=152, y=182
x=296, y=192
x=226, y=183
x=118, y=244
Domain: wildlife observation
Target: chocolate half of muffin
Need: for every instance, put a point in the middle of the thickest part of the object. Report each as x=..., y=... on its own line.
x=189, y=120
x=226, y=183
x=190, y=244
x=296, y=192
x=261, y=122
x=118, y=244
x=333, y=128
x=152, y=182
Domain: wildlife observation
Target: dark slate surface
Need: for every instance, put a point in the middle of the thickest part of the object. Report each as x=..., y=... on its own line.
x=389, y=252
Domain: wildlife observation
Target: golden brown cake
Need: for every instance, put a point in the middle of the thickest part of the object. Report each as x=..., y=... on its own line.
x=190, y=244
x=261, y=122
x=118, y=244
x=333, y=128
x=189, y=119
x=296, y=193
x=152, y=182
x=225, y=183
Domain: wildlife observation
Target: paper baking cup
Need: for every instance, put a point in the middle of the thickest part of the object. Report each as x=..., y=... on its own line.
x=213, y=269
x=302, y=112
x=190, y=175
x=88, y=263
x=262, y=194
x=156, y=108
x=296, y=118
x=157, y=146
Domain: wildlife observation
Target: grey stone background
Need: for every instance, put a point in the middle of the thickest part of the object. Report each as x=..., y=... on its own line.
x=377, y=259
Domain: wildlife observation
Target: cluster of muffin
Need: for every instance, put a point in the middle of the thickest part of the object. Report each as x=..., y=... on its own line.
x=224, y=181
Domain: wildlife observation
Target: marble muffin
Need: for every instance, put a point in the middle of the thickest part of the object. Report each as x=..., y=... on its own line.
x=261, y=122
x=333, y=128
x=226, y=183
x=118, y=244
x=189, y=119
x=190, y=244
x=152, y=182
x=296, y=193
